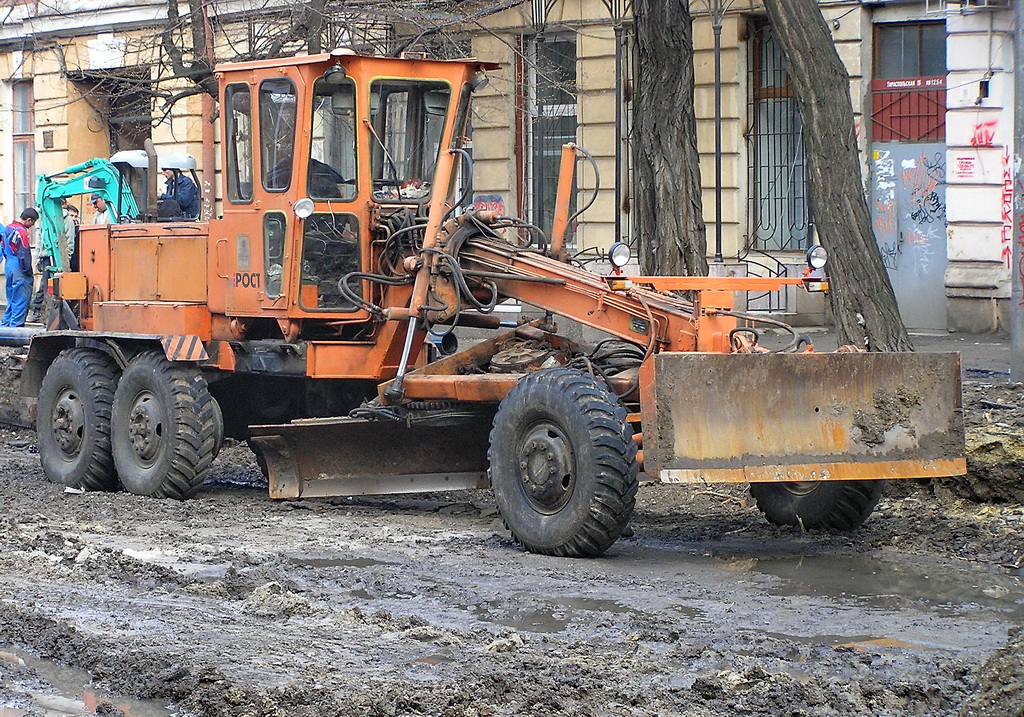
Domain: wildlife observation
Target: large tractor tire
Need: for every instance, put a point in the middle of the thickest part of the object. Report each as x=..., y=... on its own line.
x=164, y=427
x=563, y=464
x=826, y=505
x=73, y=420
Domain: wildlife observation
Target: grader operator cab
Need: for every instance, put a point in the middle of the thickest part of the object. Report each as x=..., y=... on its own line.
x=298, y=320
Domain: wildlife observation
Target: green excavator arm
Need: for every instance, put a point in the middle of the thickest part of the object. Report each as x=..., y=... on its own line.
x=94, y=176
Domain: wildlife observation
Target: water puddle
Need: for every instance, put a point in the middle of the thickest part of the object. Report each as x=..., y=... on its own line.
x=72, y=694
x=202, y=572
x=891, y=586
x=861, y=643
x=863, y=604
x=435, y=659
x=392, y=595
x=325, y=562
x=551, y=615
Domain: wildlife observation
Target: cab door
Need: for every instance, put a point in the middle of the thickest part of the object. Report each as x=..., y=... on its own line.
x=252, y=241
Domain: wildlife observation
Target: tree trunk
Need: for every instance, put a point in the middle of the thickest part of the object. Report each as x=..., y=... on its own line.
x=670, y=225
x=863, y=301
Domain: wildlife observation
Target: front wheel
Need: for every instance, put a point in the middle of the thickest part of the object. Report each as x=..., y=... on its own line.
x=164, y=428
x=563, y=464
x=827, y=505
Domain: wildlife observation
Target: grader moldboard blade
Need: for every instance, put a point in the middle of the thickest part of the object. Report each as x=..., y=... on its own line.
x=345, y=456
x=802, y=417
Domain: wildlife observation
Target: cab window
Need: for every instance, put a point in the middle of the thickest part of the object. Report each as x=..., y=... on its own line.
x=330, y=252
x=407, y=120
x=274, y=227
x=277, y=133
x=332, y=158
x=238, y=131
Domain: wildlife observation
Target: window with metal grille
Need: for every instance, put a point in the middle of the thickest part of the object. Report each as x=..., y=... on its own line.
x=779, y=196
x=909, y=89
x=551, y=123
x=24, y=145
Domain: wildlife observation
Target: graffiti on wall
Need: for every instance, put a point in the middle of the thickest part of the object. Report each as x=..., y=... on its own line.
x=984, y=133
x=885, y=206
x=923, y=177
x=1006, y=239
x=1018, y=204
x=489, y=202
x=909, y=206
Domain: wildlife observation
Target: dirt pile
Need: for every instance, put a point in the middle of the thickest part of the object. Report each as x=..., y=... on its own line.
x=1000, y=682
x=15, y=410
x=233, y=605
x=994, y=427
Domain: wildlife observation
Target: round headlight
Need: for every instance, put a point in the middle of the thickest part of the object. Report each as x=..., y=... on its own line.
x=303, y=208
x=817, y=257
x=478, y=82
x=618, y=254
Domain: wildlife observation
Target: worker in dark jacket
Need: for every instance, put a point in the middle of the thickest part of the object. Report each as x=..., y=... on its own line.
x=18, y=267
x=182, y=190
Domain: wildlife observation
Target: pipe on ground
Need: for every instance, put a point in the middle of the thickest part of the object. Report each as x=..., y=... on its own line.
x=17, y=335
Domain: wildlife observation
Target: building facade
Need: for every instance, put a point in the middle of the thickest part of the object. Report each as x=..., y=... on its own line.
x=931, y=84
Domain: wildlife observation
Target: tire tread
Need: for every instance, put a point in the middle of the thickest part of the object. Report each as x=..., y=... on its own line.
x=614, y=456
x=838, y=506
x=195, y=430
x=101, y=375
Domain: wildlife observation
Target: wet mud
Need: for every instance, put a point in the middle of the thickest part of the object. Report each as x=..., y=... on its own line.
x=233, y=604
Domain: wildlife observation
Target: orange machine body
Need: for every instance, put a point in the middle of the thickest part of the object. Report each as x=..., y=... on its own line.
x=344, y=237
x=241, y=275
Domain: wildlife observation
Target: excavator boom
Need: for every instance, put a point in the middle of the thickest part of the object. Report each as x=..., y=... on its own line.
x=94, y=176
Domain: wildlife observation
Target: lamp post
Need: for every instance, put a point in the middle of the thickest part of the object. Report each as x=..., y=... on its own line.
x=1016, y=279
x=716, y=11
x=617, y=10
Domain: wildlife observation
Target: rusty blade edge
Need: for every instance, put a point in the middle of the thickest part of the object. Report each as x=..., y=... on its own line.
x=883, y=470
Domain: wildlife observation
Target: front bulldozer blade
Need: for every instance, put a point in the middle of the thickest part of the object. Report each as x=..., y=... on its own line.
x=345, y=456
x=801, y=417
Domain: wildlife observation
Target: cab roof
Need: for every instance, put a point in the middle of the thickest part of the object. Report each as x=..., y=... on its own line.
x=346, y=54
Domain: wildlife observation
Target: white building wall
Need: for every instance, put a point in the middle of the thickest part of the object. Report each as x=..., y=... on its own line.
x=979, y=138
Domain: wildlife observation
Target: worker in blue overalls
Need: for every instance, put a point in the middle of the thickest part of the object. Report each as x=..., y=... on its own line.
x=18, y=267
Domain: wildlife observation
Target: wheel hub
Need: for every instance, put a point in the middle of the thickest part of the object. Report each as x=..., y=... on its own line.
x=145, y=429
x=547, y=468
x=802, y=487
x=68, y=422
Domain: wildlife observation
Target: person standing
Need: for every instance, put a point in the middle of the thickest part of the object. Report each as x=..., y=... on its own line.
x=182, y=190
x=18, y=260
x=44, y=260
x=102, y=215
x=71, y=236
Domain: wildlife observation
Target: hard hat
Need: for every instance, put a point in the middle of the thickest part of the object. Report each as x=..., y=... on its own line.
x=177, y=161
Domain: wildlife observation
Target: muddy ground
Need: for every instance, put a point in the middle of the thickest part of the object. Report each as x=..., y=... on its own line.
x=231, y=604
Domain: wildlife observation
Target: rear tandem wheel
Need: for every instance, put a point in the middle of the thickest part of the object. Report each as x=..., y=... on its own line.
x=563, y=464
x=829, y=505
x=73, y=422
x=164, y=427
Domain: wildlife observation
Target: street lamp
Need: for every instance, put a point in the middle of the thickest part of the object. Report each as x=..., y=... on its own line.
x=617, y=10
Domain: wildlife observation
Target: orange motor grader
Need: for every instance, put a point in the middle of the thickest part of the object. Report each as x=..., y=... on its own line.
x=301, y=320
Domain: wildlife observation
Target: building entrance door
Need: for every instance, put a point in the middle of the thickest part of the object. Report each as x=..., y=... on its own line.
x=908, y=202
